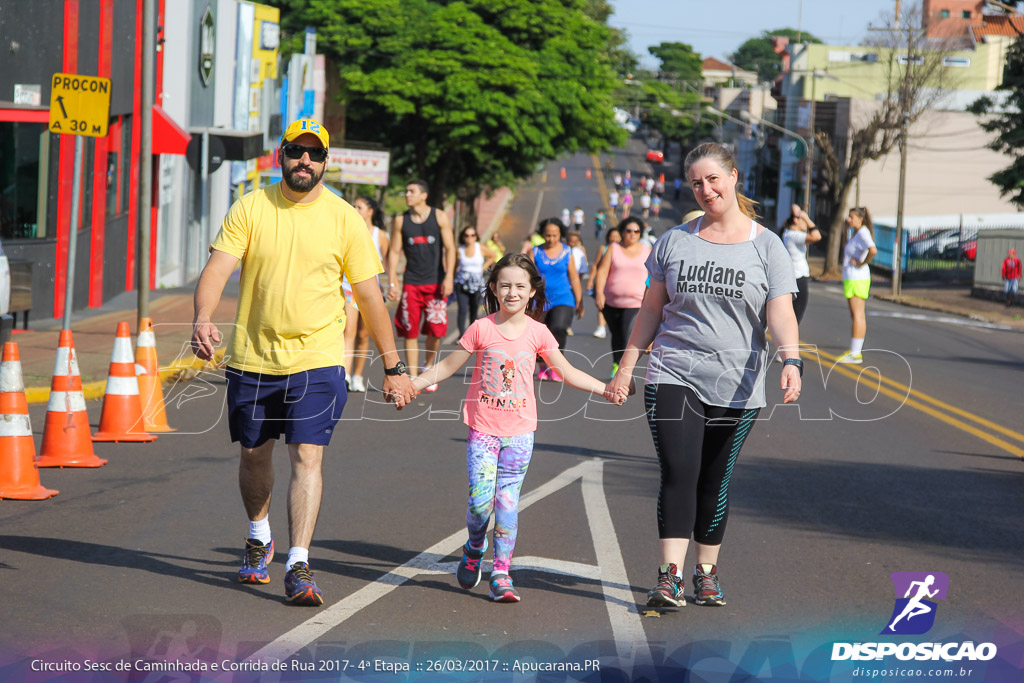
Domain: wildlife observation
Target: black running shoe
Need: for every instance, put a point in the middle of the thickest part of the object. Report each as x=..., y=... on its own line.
x=670, y=588
x=706, y=588
x=469, y=572
x=300, y=588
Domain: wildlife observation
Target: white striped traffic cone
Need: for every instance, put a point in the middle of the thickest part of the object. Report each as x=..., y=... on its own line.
x=19, y=476
x=66, y=441
x=121, y=419
x=154, y=414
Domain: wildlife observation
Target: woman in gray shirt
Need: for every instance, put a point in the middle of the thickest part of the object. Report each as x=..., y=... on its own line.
x=717, y=283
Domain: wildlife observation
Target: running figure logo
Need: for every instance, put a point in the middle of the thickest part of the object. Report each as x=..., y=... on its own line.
x=914, y=613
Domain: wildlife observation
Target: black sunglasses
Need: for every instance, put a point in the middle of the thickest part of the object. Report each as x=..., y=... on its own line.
x=294, y=151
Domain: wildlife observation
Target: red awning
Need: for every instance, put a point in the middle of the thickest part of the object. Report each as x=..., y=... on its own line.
x=168, y=137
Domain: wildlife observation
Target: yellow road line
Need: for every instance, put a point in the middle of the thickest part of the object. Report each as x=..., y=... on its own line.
x=904, y=396
x=601, y=187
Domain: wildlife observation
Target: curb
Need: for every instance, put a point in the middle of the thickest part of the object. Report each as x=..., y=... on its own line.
x=178, y=370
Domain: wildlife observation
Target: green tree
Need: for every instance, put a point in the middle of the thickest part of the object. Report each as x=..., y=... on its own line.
x=678, y=59
x=471, y=93
x=1006, y=120
x=757, y=54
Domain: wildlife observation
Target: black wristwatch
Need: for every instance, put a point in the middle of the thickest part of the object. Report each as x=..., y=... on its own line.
x=789, y=361
x=399, y=369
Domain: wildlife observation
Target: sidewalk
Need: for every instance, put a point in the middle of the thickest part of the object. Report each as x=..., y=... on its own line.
x=94, y=331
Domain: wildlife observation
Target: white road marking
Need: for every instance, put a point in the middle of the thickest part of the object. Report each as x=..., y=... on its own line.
x=430, y=560
x=964, y=322
x=630, y=640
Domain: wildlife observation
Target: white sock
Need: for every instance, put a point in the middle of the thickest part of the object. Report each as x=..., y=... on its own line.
x=856, y=345
x=296, y=554
x=260, y=530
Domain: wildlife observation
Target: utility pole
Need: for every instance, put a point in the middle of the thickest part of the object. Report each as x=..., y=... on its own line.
x=146, y=153
x=897, y=250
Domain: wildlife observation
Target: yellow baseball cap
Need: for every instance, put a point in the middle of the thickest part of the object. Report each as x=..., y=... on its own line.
x=302, y=126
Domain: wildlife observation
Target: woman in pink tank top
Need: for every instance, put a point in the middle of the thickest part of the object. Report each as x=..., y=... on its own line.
x=620, y=284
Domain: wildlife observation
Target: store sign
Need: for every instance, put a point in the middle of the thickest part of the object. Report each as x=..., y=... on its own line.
x=31, y=95
x=207, y=41
x=79, y=105
x=360, y=166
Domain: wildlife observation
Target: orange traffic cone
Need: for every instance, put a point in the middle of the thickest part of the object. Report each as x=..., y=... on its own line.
x=66, y=441
x=154, y=415
x=121, y=419
x=563, y=173
x=19, y=476
x=588, y=174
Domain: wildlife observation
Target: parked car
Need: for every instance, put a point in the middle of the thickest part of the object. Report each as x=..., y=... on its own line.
x=939, y=244
x=970, y=249
x=655, y=156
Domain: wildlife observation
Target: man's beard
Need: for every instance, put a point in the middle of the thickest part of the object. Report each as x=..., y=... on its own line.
x=297, y=184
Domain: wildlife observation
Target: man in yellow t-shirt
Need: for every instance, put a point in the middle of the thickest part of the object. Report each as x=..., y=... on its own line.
x=295, y=241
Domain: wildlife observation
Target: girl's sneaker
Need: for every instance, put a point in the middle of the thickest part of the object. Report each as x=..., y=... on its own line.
x=544, y=373
x=601, y=332
x=502, y=589
x=850, y=358
x=468, y=573
x=706, y=588
x=358, y=384
x=554, y=376
x=670, y=588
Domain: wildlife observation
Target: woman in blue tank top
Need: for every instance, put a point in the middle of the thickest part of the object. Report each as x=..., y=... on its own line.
x=561, y=284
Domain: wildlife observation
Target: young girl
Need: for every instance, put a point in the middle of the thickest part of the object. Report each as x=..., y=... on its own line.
x=501, y=411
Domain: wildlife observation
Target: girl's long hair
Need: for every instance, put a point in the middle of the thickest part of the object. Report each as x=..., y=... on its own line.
x=865, y=217
x=725, y=159
x=376, y=216
x=535, y=308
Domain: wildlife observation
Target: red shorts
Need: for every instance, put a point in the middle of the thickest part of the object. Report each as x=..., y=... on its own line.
x=426, y=301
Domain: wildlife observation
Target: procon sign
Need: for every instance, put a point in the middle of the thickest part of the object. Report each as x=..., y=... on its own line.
x=79, y=105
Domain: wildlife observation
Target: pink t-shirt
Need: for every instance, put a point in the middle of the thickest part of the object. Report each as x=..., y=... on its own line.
x=500, y=400
x=627, y=278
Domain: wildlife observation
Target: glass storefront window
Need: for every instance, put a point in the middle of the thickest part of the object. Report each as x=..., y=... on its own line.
x=21, y=183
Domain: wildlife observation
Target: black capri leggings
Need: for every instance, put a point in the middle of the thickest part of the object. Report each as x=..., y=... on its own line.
x=559, y=320
x=697, y=445
x=800, y=302
x=620, y=322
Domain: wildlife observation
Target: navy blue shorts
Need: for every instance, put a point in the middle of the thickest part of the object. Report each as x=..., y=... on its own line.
x=305, y=406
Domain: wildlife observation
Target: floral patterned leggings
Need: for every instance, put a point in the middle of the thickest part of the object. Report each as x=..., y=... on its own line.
x=496, y=467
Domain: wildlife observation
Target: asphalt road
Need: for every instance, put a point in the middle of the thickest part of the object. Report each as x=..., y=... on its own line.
x=911, y=462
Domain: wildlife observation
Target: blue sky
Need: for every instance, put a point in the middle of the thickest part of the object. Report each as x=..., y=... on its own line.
x=717, y=28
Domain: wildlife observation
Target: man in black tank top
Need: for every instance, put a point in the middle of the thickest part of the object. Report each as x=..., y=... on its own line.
x=425, y=236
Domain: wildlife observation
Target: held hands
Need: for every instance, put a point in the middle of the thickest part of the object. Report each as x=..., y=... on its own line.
x=393, y=293
x=205, y=338
x=622, y=385
x=616, y=397
x=790, y=383
x=399, y=389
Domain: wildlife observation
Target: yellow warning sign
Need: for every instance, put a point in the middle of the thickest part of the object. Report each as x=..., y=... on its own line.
x=79, y=105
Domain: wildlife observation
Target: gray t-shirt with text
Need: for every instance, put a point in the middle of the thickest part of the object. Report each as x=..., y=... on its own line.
x=712, y=332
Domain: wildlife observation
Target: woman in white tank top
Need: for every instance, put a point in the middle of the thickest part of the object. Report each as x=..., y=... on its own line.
x=474, y=259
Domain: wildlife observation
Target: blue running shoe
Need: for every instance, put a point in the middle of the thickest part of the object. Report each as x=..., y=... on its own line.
x=300, y=588
x=706, y=588
x=254, y=562
x=468, y=573
x=502, y=589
